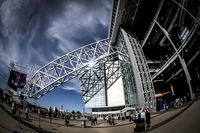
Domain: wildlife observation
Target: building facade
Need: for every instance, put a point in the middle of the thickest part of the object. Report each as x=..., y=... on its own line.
x=161, y=38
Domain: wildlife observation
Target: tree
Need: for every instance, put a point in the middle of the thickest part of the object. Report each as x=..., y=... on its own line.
x=78, y=112
x=73, y=112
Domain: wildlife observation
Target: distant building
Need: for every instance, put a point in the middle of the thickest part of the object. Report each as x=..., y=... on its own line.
x=62, y=108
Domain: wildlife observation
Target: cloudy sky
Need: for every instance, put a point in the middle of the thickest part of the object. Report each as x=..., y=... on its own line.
x=35, y=32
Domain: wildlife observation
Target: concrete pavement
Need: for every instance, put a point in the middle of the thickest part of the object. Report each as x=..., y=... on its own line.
x=186, y=122
x=10, y=125
x=161, y=122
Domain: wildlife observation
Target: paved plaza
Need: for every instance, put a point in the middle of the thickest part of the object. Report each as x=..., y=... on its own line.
x=181, y=120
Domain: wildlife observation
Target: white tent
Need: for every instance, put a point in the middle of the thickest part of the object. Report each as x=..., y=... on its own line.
x=127, y=109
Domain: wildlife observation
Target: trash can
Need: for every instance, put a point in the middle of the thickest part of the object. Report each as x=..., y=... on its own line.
x=83, y=123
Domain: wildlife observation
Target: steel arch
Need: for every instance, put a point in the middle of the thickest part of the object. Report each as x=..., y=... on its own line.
x=69, y=66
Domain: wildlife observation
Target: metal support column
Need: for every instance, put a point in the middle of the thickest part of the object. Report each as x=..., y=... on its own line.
x=186, y=11
x=105, y=85
x=187, y=74
x=152, y=25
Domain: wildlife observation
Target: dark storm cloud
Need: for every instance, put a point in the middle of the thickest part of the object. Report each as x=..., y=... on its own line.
x=3, y=74
x=35, y=32
x=38, y=31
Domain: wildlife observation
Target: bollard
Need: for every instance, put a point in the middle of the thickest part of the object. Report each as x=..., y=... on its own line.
x=39, y=120
x=50, y=121
x=1, y=106
x=65, y=122
x=19, y=119
x=1, y=109
x=83, y=123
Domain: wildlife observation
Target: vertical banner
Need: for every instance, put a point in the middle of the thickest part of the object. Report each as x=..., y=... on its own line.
x=16, y=80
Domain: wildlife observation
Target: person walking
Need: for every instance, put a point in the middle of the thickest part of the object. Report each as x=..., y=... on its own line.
x=113, y=121
x=27, y=113
x=50, y=115
x=13, y=108
x=148, y=118
x=109, y=120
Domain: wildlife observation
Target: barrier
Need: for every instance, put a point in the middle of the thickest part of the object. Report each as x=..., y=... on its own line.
x=83, y=123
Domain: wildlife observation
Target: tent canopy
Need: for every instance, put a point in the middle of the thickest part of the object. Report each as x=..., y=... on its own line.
x=128, y=109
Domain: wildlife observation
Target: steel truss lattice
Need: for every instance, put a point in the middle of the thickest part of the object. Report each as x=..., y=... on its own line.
x=101, y=76
x=130, y=11
x=78, y=64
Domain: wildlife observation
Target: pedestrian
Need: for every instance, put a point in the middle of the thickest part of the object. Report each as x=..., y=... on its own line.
x=166, y=105
x=113, y=121
x=66, y=120
x=95, y=120
x=50, y=115
x=14, y=108
x=148, y=118
x=140, y=122
x=27, y=113
x=130, y=117
x=109, y=120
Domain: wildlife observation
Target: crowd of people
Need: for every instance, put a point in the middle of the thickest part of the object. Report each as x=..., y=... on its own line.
x=93, y=120
x=25, y=108
x=142, y=119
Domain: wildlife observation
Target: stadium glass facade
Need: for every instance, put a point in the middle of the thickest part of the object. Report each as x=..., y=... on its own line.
x=161, y=37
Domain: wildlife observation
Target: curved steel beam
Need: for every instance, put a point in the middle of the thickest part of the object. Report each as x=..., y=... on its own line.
x=182, y=61
x=67, y=67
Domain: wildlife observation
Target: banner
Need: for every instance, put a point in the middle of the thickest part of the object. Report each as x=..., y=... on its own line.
x=16, y=80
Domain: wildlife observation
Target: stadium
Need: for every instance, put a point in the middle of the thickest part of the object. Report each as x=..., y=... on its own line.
x=150, y=58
